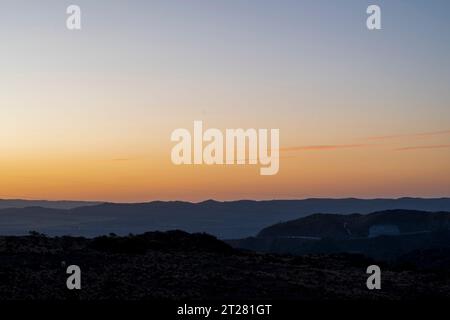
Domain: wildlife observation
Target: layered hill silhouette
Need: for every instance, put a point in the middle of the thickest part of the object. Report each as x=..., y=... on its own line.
x=389, y=222
x=383, y=235
x=226, y=220
x=315, y=257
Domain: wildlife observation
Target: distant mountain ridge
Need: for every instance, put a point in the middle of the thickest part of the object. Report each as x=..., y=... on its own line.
x=226, y=220
x=63, y=204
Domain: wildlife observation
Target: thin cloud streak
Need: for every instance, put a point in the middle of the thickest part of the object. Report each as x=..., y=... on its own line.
x=441, y=146
x=324, y=147
x=411, y=135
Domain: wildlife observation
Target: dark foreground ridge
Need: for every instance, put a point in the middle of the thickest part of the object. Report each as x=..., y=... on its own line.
x=177, y=265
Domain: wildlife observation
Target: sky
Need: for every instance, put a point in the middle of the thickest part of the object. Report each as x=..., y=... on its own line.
x=88, y=114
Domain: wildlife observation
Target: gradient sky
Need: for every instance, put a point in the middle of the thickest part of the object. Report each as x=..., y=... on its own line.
x=88, y=114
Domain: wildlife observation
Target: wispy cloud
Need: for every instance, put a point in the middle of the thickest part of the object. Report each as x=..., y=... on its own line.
x=439, y=146
x=378, y=138
x=411, y=135
x=324, y=147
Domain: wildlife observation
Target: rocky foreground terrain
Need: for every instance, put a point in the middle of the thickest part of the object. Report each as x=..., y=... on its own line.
x=178, y=265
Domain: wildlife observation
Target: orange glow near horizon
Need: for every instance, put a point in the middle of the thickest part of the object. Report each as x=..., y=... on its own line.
x=363, y=171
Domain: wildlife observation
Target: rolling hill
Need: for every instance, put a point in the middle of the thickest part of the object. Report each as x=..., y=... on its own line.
x=226, y=220
x=385, y=235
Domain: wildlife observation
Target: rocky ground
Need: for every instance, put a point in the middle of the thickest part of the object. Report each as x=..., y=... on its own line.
x=177, y=265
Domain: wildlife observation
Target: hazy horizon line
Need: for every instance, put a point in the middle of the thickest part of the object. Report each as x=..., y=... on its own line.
x=234, y=200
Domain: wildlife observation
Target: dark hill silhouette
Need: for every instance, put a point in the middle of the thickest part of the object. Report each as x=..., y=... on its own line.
x=357, y=225
x=176, y=265
x=385, y=235
x=231, y=219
